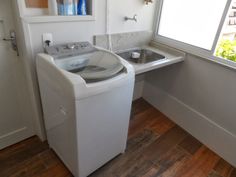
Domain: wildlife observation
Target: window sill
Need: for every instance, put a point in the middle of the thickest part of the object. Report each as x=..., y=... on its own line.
x=202, y=53
x=222, y=61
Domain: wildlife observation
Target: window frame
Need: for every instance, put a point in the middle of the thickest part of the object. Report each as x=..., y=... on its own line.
x=188, y=48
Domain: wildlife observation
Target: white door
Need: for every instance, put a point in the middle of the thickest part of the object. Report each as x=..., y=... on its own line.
x=15, y=125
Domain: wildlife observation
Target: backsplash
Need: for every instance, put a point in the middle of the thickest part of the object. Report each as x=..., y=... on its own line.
x=123, y=41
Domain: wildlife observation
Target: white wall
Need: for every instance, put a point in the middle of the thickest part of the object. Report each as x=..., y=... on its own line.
x=200, y=96
x=121, y=8
x=79, y=31
x=69, y=31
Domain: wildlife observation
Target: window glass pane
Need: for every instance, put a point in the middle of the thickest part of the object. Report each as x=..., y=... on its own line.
x=226, y=47
x=193, y=22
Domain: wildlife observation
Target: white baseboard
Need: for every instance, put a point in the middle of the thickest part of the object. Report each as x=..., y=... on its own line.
x=203, y=128
x=14, y=137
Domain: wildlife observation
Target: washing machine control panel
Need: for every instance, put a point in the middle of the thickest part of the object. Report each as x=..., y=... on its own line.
x=70, y=49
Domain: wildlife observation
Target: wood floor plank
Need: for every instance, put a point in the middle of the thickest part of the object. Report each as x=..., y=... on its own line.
x=200, y=165
x=139, y=106
x=26, y=168
x=141, y=141
x=139, y=168
x=214, y=174
x=15, y=149
x=165, y=143
x=56, y=171
x=151, y=173
x=233, y=174
x=190, y=144
x=172, y=162
x=49, y=158
x=223, y=168
x=17, y=156
x=161, y=124
x=142, y=120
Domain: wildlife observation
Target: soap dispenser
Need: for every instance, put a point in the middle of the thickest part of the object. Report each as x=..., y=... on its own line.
x=68, y=7
x=82, y=7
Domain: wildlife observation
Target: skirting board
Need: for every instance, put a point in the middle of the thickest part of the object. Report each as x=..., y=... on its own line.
x=14, y=137
x=201, y=127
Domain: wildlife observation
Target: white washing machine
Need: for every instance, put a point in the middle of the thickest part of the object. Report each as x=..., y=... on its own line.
x=86, y=95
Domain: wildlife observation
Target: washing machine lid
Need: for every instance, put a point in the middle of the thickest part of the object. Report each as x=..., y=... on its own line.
x=84, y=59
x=97, y=72
x=95, y=66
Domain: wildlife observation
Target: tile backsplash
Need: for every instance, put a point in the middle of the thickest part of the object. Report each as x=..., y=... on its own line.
x=123, y=41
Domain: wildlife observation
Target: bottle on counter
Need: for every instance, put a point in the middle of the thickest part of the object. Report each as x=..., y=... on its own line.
x=52, y=7
x=68, y=7
x=82, y=7
x=60, y=7
x=75, y=6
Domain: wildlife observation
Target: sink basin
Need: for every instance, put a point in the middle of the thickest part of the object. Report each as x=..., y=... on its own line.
x=146, y=56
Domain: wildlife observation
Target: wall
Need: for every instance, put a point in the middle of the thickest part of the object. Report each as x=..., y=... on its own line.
x=120, y=9
x=78, y=31
x=200, y=96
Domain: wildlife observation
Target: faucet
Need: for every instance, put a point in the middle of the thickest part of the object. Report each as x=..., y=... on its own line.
x=132, y=19
x=148, y=1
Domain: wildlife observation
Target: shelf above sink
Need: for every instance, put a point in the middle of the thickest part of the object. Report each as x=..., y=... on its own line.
x=50, y=19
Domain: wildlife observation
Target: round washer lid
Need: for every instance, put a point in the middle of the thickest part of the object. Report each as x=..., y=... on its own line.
x=101, y=65
x=96, y=65
x=97, y=72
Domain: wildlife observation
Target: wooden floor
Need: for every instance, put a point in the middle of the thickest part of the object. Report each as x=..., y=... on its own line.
x=156, y=148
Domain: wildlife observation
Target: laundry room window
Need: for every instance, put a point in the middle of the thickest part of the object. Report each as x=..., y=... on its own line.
x=226, y=46
x=193, y=26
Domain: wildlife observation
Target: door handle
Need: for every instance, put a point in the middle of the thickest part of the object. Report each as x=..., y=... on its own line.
x=8, y=39
x=12, y=39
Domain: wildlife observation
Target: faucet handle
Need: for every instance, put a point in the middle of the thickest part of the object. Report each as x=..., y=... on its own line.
x=135, y=17
x=148, y=1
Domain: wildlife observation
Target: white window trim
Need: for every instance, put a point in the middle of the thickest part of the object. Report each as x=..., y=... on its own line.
x=203, y=53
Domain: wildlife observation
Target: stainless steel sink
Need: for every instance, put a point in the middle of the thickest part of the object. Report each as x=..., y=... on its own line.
x=146, y=56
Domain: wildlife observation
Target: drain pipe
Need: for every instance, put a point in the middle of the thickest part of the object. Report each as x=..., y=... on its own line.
x=108, y=33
